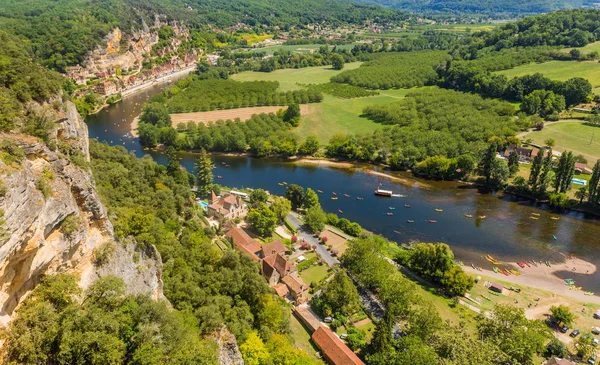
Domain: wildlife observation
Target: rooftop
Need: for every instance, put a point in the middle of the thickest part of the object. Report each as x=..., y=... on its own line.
x=334, y=350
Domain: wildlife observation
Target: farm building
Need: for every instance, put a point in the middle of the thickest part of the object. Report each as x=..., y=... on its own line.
x=496, y=287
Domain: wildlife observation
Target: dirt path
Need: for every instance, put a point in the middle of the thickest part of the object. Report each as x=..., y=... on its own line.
x=242, y=113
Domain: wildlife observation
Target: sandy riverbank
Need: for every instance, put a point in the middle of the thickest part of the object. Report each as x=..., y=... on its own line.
x=544, y=277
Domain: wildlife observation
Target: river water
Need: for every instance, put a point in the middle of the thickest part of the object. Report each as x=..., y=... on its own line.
x=506, y=233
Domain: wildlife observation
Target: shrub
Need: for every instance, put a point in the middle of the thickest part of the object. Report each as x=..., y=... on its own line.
x=103, y=253
x=294, y=239
x=306, y=263
x=324, y=239
x=3, y=188
x=42, y=185
x=70, y=225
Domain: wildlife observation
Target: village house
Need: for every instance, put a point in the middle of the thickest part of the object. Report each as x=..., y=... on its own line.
x=581, y=168
x=106, y=87
x=558, y=361
x=280, y=273
x=525, y=154
x=228, y=207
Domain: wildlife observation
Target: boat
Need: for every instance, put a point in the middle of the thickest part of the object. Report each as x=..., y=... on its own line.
x=432, y=221
x=223, y=163
x=588, y=293
x=389, y=213
x=527, y=263
x=479, y=268
x=439, y=210
x=494, y=293
x=535, y=214
x=486, y=298
x=469, y=215
x=406, y=206
x=320, y=191
x=334, y=198
x=482, y=217
x=410, y=221
x=548, y=263
x=473, y=266
x=334, y=193
x=534, y=218
x=284, y=183
x=553, y=236
x=522, y=265
x=397, y=232
x=382, y=192
x=359, y=198
x=391, y=208
x=280, y=184
x=495, y=269
x=340, y=211
x=555, y=219
x=346, y=195
x=219, y=177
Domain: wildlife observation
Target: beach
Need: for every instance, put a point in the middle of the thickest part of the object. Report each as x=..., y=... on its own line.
x=544, y=277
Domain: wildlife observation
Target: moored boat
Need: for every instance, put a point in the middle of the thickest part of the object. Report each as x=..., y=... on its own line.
x=334, y=198
x=482, y=217
x=495, y=269
x=555, y=218
x=346, y=195
x=439, y=210
x=469, y=215
x=535, y=214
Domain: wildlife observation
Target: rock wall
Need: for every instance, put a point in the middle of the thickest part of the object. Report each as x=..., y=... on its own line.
x=34, y=242
x=229, y=353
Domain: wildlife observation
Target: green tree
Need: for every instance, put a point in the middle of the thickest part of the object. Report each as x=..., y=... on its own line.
x=339, y=297
x=292, y=115
x=204, y=175
x=315, y=218
x=558, y=200
x=562, y=314
x=456, y=281
x=254, y=351
x=593, y=187
x=581, y=193
x=155, y=114
x=536, y=168
x=513, y=163
x=309, y=146
x=263, y=220
x=310, y=198
x=337, y=61
x=550, y=142
x=281, y=207
x=584, y=346
x=295, y=194
x=556, y=349
x=258, y=196
x=545, y=177
x=564, y=172
x=499, y=173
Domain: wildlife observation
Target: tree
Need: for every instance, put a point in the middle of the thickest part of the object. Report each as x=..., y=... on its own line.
x=562, y=314
x=499, y=173
x=310, y=198
x=155, y=114
x=310, y=145
x=518, y=337
x=258, y=196
x=315, y=218
x=550, y=142
x=581, y=194
x=339, y=297
x=337, y=61
x=593, y=187
x=292, y=115
x=556, y=349
x=545, y=177
x=488, y=161
x=558, y=200
x=281, y=207
x=263, y=220
x=456, y=281
x=513, y=163
x=254, y=351
x=584, y=346
x=295, y=194
x=576, y=90
x=564, y=172
x=204, y=175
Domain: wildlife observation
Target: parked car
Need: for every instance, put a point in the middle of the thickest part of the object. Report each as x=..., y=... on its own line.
x=592, y=359
x=575, y=333
x=328, y=319
x=564, y=329
x=596, y=330
x=595, y=343
x=343, y=336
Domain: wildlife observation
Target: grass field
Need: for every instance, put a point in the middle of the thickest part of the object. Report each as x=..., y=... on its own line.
x=242, y=113
x=302, y=339
x=595, y=46
x=576, y=137
x=333, y=115
x=560, y=70
x=315, y=273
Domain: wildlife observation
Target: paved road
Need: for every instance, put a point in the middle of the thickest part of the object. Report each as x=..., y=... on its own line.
x=304, y=233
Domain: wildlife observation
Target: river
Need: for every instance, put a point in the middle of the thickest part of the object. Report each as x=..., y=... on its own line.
x=506, y=233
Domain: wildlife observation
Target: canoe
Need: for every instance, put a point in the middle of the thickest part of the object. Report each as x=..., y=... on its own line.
x=469, y=215
x=482, y=217
x=284, y=183
x=439, y=210
x=391, y=208
x=432, y=221
x=494, y=293
x=495, y=269
x=536, y=214
x=406, y=206
x=553, y=236
x=389, y=213
x=410, y=221
x=334, y=198
x=534, y=218
x=320, y=191
x=359, y=198
x=555, y=218
x=588, y=293
x=340, y=211
x=346, y=195
x=334, y=193
x=486, y=298
x=473, y=266
x=527, y=263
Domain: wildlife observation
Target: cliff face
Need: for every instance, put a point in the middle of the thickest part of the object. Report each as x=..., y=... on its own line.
x=53, y=220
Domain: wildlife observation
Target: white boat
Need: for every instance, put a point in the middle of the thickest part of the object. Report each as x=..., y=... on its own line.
x=382, y=192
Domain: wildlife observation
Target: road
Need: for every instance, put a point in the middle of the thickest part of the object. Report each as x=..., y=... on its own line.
x=305, y=234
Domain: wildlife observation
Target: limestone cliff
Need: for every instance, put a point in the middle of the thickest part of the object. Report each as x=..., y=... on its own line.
x=229, y=353
x=53, y=218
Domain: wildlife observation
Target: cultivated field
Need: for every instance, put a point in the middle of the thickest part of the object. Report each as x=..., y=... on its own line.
x=577, y=137
x=332, y=115
x=560, y=70
x=242, y=113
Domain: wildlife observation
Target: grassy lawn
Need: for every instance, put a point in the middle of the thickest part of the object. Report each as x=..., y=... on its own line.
x=290, y=76
x=314, y=273
x=574, y=137
x=560, y=70
x=302, y=339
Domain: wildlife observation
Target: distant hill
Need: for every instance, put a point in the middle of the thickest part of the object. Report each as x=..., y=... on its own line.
x=490, y=8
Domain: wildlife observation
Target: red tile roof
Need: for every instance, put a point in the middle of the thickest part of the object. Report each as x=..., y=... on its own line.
x=243, y=242
x=282, y=290
x=273, y=248
x=334, y=350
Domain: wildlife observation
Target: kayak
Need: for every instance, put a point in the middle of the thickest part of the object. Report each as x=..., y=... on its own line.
x=553, y=236
x=495, y=269
x=391, y=208
x=588, y=293
x=406, y=206
x=390, y=213
x=410, y=221
x=439, y=210
x=482, y=217
x=469, y=215
x=432, y=221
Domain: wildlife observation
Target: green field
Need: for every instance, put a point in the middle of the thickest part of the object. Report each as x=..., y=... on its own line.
x=333, y=115
x=587, y=49
x=303, y=48
x=576, y=137
x=560, y=70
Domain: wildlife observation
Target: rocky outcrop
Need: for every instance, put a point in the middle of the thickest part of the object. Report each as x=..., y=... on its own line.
x=229, y=353
x=54, y=219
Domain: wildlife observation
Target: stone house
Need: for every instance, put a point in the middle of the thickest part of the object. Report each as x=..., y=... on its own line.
x=228, y=207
